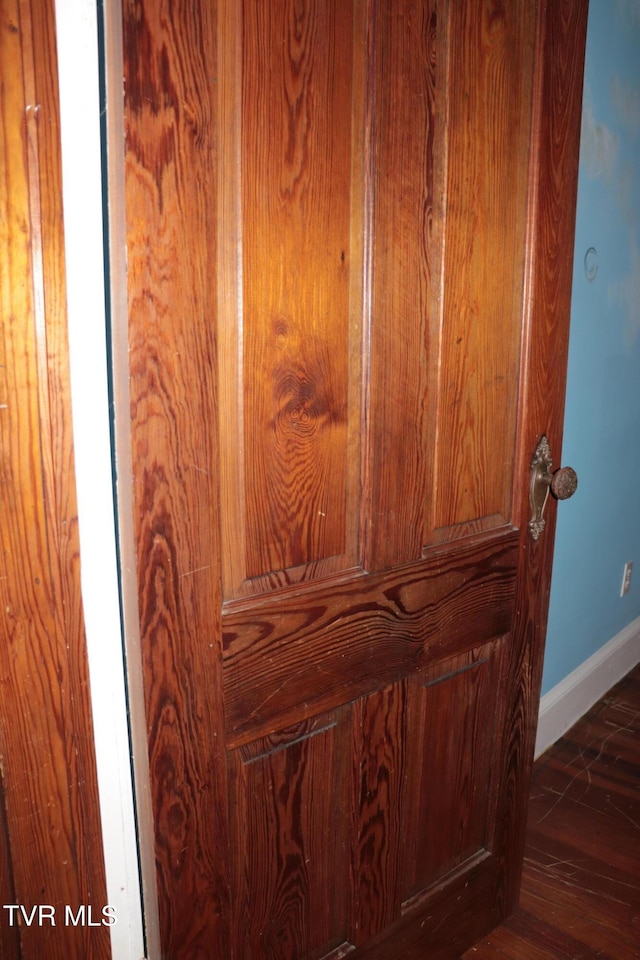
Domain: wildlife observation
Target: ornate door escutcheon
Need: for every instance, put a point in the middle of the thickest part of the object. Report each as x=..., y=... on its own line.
x=562, y=484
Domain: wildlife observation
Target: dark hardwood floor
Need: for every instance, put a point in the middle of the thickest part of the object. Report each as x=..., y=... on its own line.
x=580, y=895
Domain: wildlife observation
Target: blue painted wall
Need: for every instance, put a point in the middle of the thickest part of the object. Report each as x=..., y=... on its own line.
x=599, y=530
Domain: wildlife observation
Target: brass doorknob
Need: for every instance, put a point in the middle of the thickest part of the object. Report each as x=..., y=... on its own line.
x=563, y=483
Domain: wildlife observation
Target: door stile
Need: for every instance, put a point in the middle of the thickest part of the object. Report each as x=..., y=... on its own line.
x=171, y=180
x=561, y=39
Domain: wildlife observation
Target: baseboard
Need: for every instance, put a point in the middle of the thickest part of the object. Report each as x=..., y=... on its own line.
x=562, y=706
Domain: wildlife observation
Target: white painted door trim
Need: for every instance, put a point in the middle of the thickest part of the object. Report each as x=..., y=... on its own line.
x=77, y=39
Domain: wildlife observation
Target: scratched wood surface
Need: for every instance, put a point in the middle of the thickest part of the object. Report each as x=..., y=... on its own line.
x=332, y=212
x=170, y=66
x=292, y=856
x=580, y=885
x=305, y=652
x=52, y=827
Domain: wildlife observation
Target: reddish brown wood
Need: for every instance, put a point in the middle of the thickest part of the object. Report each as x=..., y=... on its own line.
x=488, y=144
x=291, y=855
x=431, y=927
x=48, y=765
x=327, y=214
x=296, y=654
x=9, y=936
x=297, y=65
x=551, y=224
x=170, y=65
x=405, y=43
x=289, y=365
x=381, y=739
x=450, y=771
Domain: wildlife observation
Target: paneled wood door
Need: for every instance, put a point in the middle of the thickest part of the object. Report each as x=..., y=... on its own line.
x=349, y=239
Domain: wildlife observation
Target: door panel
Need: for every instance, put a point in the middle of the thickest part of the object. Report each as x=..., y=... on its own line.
x=402, y=169
x=290, y=839
x=380, y=752
x=490, y=88
x=296, y=84
x=290, y=360
x=336, y=339
x=449, y=776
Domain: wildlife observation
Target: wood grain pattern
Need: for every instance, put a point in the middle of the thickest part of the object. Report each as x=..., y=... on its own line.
x=381, y=742
x=290, y=292
x=490, y=80
x=406, y=45
x=263, y=142
x=486, y=181
x=296, y=60
x=303, y=653
x=292, y=856
x=439, y=924
x=49, y=777
x=550, y=234
x=580, y=885
x=170, y=66
x=449, y=771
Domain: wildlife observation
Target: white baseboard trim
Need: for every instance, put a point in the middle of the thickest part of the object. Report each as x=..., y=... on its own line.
x=562, y=706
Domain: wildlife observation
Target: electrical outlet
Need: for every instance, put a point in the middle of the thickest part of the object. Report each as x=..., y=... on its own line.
x=626, y=578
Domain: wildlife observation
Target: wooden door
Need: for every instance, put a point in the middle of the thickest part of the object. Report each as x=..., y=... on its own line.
x=349, y=241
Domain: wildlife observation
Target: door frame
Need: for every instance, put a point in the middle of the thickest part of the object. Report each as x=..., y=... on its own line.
x=102, y=573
